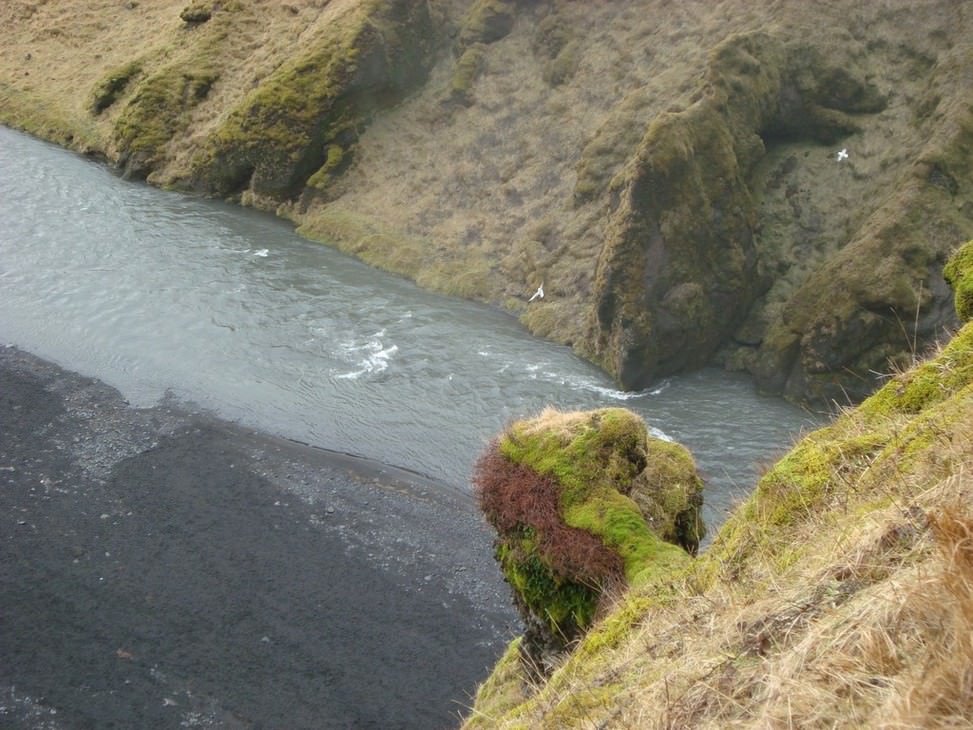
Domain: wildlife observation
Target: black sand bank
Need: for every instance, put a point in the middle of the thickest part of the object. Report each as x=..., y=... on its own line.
x=161, y=568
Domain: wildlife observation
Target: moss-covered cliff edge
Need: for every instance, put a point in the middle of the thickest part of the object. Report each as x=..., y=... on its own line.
x=670, y=173
x=839, y=594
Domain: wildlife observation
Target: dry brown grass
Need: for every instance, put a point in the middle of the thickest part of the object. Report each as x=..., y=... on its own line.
x=859, y=614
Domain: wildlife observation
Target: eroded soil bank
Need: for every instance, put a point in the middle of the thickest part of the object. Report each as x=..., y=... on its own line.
x=160, y=568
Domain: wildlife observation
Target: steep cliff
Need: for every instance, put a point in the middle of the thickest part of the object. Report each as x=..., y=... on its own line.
x=839, y=594
x=670, y=172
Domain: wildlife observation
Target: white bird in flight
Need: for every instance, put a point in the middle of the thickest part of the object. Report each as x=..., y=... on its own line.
x=539, y=294
x=843, y=154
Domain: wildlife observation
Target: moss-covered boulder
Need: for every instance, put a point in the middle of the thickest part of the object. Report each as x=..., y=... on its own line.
x=157, y=112
x=284, y=131
x=959, y=274
x=584, y=503
x=198, y=11
x=486, y=22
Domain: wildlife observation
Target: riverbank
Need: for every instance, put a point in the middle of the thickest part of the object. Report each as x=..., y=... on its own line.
x=162, y=568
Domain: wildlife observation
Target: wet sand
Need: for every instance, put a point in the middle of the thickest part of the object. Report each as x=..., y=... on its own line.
x=162, y=568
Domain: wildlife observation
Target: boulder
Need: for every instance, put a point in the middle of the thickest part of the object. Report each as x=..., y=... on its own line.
x=584, y=503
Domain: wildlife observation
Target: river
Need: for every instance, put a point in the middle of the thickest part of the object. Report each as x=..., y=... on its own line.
x=162, y=295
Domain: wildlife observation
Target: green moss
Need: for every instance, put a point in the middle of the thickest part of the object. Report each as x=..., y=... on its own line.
x=157, y=112
x=275, y=140
x=611, y=631
x=611, y=145
x=367, y=238
x=47, y=119
x=107, y=91
x=959, y=273
x=335, y=160
x=562, y=67
x=551, y=35
x=680, y=242
x=859, y=460
x=931, y=382
x=198, y=11
x=470, y=278
x=565, y=605
x=503, y=689
x=468, y=69
x=487, y=22
x=374, y=242
x=596, y=460
x=159, y=106
x=669, y=493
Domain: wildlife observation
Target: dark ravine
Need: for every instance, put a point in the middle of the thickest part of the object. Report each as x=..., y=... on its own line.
x=161, y=568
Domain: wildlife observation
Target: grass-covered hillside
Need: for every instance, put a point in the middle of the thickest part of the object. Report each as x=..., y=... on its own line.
x=670, y=172
x=840, y=594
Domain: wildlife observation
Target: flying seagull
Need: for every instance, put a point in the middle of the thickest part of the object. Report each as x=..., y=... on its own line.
x=843, y=154
x=539, y=294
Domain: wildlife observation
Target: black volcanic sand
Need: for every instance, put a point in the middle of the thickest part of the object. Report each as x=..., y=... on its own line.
x=160, y=568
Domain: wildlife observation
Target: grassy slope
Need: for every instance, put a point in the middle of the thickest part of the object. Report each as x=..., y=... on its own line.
x=840, y=593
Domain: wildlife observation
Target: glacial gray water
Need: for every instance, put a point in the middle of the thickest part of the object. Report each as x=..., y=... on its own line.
x=161, y=294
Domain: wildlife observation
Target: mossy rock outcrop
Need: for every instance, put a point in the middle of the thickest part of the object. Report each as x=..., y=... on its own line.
x=862, y=531
x=157, y=111
x=283, y=132
x=959, y=274
x=486, y=22
x=584, y=503
x=679, y=267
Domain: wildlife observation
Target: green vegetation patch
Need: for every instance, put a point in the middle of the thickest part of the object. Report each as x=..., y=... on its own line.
x=504, y=688
x=557, y=489
x=596, y=458
x=161, y=96
x=469, y=66
x=487, y=22
x=861, y=459
x=114, y=83
x=46, y=118
x=283, y=131
x=931, y=382
x=959, y=274
x=157, y=112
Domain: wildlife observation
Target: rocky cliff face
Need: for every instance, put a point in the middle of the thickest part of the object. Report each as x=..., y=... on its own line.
x=669, y=172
